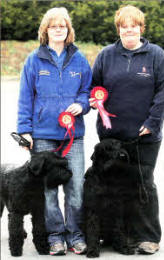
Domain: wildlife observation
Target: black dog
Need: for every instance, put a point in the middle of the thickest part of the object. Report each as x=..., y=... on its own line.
x=22, y=192
x=110, y=185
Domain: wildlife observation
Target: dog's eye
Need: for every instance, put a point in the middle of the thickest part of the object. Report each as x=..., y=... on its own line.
x=122, y=155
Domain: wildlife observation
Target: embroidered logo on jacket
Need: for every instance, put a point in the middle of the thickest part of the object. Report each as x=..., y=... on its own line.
x=144, y=72
x=74, y=74
x=44, y=72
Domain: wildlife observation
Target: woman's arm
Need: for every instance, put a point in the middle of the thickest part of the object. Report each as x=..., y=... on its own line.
x=156, y=112
x=96, y=78
x=26, y=98
x=82, y=99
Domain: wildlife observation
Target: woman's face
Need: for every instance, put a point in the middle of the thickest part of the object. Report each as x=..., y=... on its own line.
x=57, y=31
x=130, y=34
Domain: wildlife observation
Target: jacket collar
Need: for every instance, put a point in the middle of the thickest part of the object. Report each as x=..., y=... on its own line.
x=143, y=48
x=71, y=49
x=43, y=53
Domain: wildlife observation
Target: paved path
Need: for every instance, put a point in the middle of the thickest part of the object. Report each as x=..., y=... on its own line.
x=12, y=153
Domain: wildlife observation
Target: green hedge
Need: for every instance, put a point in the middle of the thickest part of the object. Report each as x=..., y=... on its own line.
x=92, y=20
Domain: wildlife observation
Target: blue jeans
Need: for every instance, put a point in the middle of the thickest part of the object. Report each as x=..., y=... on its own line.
x=58, y=229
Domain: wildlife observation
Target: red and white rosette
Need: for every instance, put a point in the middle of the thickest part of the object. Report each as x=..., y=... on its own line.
x=67, y=121
x=101, y=94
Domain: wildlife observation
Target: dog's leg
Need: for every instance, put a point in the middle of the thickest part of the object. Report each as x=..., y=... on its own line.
x=24, y=234
x=121, y=244
x=39, y=231
x=92, y=234
x=2, y=207
x=120, y=236
x=16, y=237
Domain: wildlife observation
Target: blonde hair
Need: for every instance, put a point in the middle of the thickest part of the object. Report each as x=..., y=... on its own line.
x=132, y=12
x=50, y=15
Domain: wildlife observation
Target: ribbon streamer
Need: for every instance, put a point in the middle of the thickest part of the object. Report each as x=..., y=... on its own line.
x=67, y=121
x=100, y=94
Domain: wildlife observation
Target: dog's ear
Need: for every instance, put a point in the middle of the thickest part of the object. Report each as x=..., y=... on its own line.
x=36, y=164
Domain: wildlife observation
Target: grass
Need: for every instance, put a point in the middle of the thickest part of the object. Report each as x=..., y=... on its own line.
x=14, y=53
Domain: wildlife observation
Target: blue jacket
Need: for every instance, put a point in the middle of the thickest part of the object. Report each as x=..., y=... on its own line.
x=45, y=92
x=135, y=82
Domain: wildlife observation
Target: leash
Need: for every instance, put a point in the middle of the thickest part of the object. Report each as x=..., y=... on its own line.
x=21, y=141
x=143, y=194
x=144, y=198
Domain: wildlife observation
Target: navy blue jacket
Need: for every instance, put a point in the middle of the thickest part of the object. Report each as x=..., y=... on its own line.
x=46, y=91
x=135, y=83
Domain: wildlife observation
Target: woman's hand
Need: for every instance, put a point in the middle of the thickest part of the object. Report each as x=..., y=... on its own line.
x=92, y=102
x=28, y=138
x=144, y=131
x=75, y=109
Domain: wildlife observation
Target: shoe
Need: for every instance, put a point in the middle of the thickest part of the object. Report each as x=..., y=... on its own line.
x=79, y=248
x=57, y=249
x=148, y=248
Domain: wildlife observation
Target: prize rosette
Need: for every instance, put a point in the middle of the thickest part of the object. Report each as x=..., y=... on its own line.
x=67, y=121
x=101, y=94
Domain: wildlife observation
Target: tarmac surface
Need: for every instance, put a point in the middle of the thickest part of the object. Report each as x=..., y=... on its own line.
x=13, y=154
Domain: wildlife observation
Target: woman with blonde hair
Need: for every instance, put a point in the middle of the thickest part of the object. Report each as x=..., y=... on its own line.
x=132, y=71
x=56, y=78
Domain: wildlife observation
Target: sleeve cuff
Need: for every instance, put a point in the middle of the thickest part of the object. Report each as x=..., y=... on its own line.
x=153, y=125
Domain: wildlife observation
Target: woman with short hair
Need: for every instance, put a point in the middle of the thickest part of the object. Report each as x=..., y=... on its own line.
x=132, y=71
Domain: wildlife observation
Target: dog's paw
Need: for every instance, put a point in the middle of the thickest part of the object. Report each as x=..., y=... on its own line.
x=92, y=253
x=130, y=251
x=126, y=250
x=16, y=253
x=41, y=246
x=43, y=252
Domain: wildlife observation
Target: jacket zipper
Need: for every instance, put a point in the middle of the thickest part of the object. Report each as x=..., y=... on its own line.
x=128, y=68
x=60, y=72
x=68, y=61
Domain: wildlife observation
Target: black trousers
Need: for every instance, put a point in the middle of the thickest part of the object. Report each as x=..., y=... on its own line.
x=143, y=217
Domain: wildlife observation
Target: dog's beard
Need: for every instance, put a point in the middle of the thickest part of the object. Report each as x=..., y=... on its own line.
x=57, y=177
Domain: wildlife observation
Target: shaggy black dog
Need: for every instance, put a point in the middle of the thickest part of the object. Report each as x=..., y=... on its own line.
x=110, y=185
x=22, y=192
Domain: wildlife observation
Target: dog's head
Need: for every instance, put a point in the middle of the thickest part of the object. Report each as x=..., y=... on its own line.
x=50, y=165
x=107, y=152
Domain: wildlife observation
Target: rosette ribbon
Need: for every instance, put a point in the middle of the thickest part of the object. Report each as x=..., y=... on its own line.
x=67, y=121
x=100, y=94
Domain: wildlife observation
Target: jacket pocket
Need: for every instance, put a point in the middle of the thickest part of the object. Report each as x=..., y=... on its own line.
x=48, y=85
x=40, y=115
x=46, y=114
x=37, y=117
